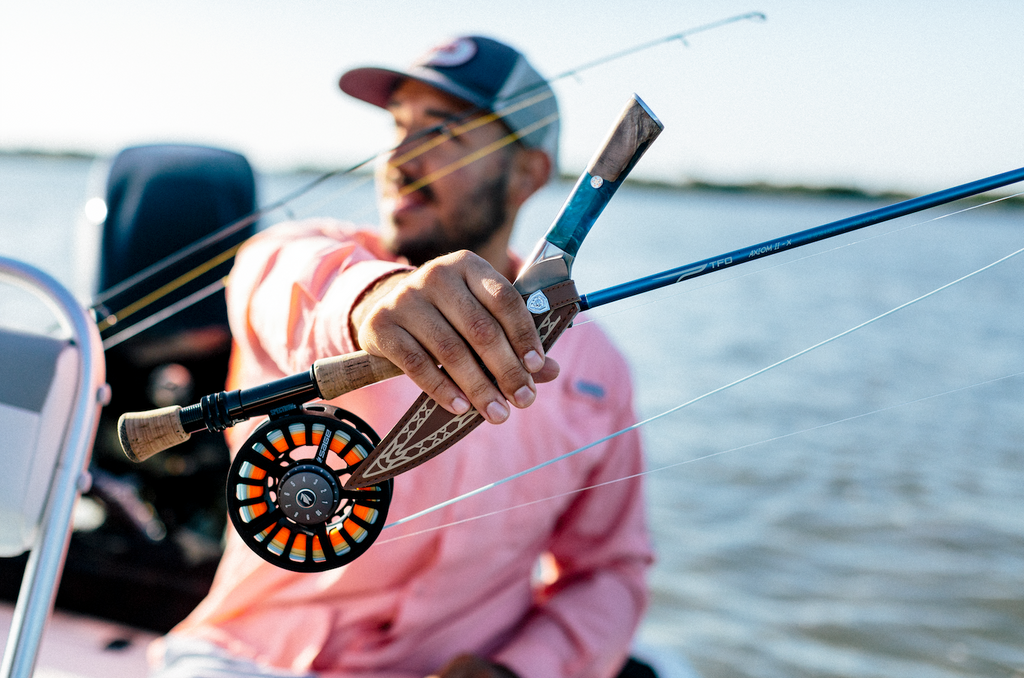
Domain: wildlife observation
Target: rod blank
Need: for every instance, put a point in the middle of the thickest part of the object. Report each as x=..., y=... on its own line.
x=794, y=240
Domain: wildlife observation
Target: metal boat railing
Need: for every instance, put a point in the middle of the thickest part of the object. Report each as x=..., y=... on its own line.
x=69, y=475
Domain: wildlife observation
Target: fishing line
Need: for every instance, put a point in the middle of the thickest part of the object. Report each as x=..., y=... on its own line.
x=212, y=239
x=440, y=134
x=681, y=37
x=161, y=292
x=699, y=398
x=597, y=316
x=113, y=318
x=456, y=165
x=355, y=184
x=163, y=314
x=108, y=319
x=704, y=457
x=465, y=123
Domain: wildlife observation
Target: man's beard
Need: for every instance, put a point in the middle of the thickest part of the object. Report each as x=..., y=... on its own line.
x=472, y=225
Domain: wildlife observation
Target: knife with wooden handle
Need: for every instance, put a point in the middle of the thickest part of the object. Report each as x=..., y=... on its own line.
x=545, y=282
x=426, y=430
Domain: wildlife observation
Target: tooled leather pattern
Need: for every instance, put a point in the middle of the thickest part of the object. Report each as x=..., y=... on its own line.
x=400, y=453
x=426, y=430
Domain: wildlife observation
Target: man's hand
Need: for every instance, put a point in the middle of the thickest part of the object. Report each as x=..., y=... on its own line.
x=445, y=312
x=471, y=666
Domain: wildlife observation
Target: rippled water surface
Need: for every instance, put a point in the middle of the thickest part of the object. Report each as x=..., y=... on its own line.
x=856, y=511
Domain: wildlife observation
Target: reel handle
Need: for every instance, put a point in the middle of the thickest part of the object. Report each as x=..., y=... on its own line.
x=144, y=434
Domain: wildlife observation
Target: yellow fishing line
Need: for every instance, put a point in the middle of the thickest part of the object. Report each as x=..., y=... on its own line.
x=140, y=304
x=468, y=126
x=112, y=319
x=136, y=306
x=473, y=157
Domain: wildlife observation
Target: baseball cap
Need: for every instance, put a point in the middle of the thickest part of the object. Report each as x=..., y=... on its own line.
x=486, y=73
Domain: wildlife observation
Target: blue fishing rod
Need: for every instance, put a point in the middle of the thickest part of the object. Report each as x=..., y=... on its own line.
x=304, y=528
x=799, y=239
x=144, y=434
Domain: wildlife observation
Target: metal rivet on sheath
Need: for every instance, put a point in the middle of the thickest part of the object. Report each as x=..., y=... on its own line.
x=538, y=303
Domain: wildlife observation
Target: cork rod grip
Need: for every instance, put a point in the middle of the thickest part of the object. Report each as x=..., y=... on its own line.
x=144, y=434
x=338, y=375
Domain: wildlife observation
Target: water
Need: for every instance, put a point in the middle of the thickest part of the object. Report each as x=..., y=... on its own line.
x=854, y=512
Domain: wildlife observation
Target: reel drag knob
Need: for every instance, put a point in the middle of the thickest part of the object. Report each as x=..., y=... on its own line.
x=308, y=494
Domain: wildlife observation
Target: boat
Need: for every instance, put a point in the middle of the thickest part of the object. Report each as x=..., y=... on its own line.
x=146, y=537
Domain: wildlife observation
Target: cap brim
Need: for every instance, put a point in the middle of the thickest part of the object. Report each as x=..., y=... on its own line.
x=375, y=85
x=372, y=85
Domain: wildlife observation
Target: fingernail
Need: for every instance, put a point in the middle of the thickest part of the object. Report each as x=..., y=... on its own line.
x=497, y=412
x=460, y=405
x=533, y=361
x=524, y=396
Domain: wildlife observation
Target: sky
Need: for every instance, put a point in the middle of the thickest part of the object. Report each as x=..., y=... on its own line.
x=880, y=96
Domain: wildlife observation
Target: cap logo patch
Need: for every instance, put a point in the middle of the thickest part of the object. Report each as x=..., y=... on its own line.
x=454, y=53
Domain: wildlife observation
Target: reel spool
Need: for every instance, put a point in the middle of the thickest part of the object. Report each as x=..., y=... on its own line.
x=285, y=490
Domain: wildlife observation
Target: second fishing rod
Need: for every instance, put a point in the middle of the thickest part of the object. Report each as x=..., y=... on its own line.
x=183, y=278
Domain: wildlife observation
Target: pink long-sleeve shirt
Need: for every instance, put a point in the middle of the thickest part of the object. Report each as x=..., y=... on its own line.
x=419, y=595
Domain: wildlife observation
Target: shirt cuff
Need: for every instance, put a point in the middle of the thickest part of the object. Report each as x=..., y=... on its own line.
x=350, y=288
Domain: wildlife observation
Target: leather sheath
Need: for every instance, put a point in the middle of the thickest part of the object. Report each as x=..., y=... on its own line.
x=427, y=429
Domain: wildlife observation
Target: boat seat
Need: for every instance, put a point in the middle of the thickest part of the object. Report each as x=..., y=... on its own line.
x=38, y=378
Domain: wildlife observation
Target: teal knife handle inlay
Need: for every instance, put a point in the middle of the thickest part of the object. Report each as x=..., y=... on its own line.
x=627, y=141
x=579, y=213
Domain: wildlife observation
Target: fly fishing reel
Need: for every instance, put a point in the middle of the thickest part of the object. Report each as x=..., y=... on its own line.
x=286, y=495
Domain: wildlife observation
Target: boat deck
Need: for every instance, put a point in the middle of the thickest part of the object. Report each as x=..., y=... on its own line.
x=76, y=646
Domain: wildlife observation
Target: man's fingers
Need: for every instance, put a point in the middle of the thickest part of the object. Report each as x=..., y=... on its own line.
x=418, y=342
x=457, y=311
x=402, y=349
x=486, y=338
x=501, y=332
x=490, y=316
x=548, y=372
x=461, y=365
x=506, y=305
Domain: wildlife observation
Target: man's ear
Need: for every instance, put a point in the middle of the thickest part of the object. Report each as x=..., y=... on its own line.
x=531, y=169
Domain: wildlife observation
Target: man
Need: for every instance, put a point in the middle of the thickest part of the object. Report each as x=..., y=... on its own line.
x=457, y=595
